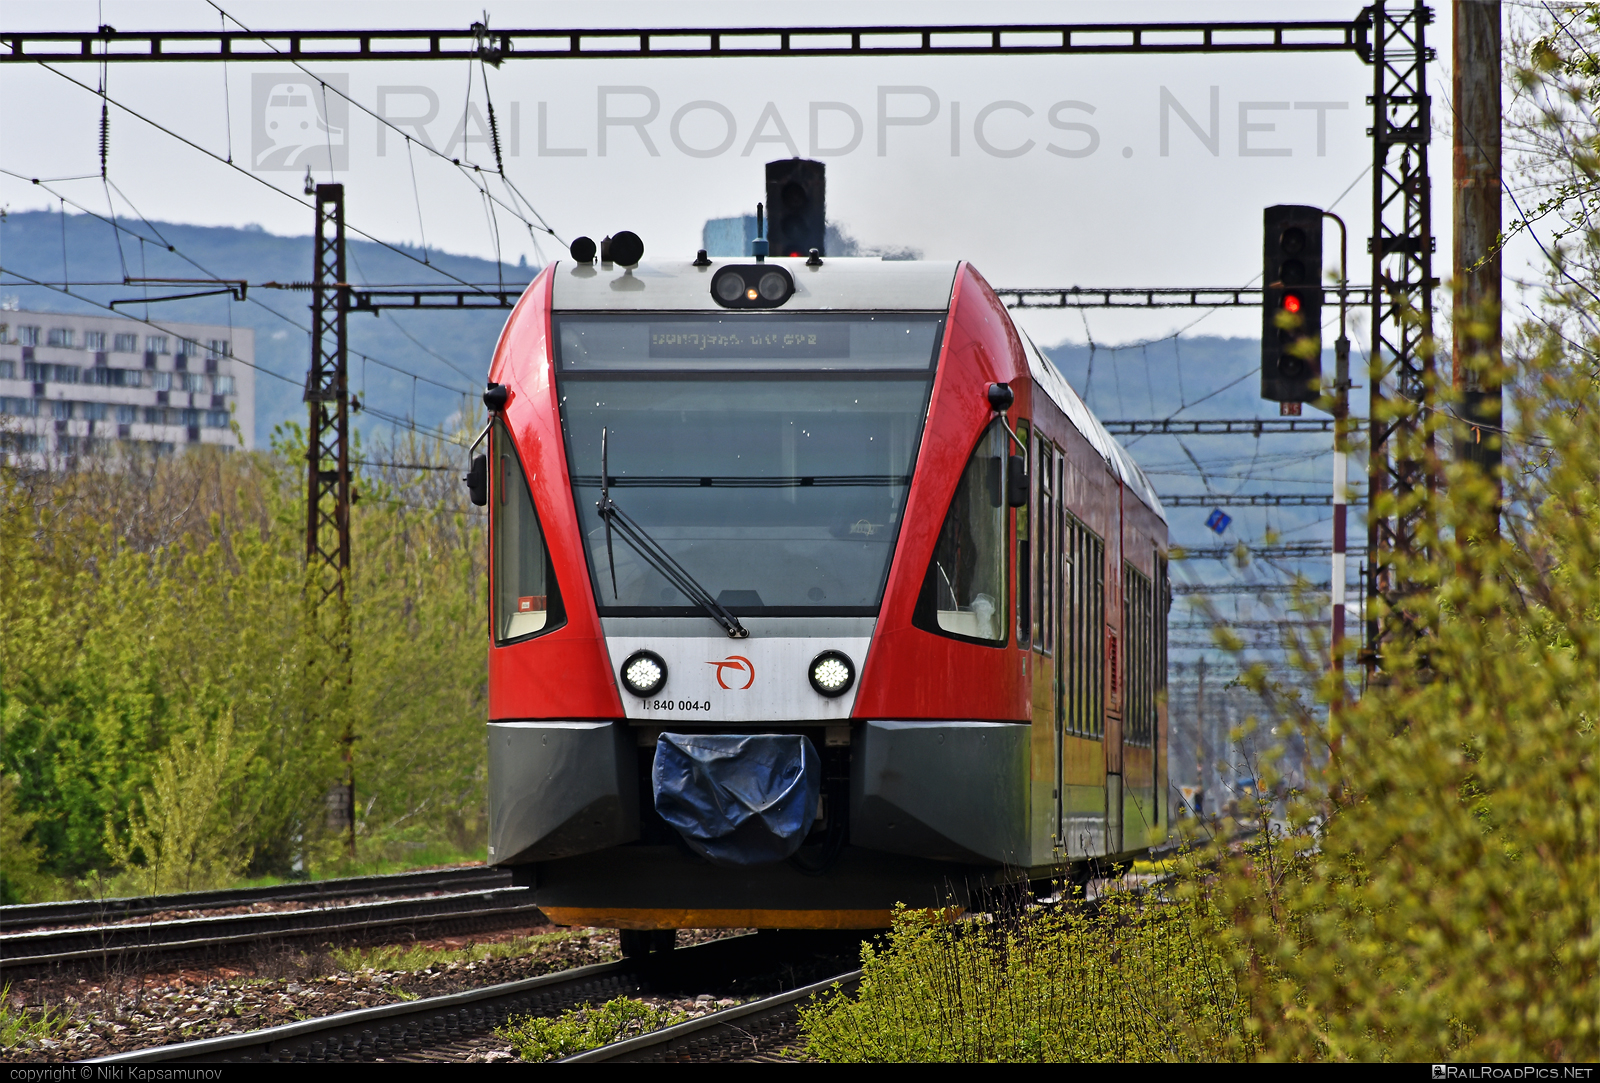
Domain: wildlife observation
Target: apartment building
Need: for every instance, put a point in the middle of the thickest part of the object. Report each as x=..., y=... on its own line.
x=69, y=384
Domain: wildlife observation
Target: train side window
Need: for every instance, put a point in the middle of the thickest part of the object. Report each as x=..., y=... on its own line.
x=1044, y=507
x=1083, y=571
x=1139, y=648
x=964, y=593
x=1024, y=550
x=527, y=601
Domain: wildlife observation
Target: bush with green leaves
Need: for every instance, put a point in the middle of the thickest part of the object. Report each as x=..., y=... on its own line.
x=1134, y=979
x=580, y=1029
x=171, y=708
x=1446, y=907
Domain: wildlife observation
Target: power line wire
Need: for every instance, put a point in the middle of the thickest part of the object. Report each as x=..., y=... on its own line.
x=212, y=275
x=259, y=180
x=387, y=123
x=153, y=323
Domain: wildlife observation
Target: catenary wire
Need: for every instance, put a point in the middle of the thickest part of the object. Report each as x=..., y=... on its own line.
x=543, y=225
x=259, y=180
x=291, y=321
x=153, y=323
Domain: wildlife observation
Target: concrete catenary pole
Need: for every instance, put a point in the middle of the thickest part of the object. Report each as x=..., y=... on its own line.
x=1475, y=212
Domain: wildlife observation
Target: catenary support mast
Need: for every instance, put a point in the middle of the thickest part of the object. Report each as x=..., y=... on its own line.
x=327, y=397
x=1401, y=364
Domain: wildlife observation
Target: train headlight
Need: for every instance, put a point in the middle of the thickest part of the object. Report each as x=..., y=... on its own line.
x=773, y=286
x=728, y=286
x=644, y=672
x=832, y=673
x=758, y=285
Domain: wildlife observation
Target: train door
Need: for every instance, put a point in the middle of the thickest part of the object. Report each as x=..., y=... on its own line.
x=1083, y=667
x=1139, y=706
x=1048, y=617
x=1059, y=608
x=1115, y=634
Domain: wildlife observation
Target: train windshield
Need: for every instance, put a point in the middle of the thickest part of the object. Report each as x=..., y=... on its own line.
x=769, y=455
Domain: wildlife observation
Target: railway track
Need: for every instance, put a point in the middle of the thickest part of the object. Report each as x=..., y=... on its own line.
x=453, y=1027
x=762, y=1030
x=100, y=911
x=111, y=935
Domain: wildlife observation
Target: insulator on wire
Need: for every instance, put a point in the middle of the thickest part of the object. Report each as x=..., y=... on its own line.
x=494, y=140
x=105, y=136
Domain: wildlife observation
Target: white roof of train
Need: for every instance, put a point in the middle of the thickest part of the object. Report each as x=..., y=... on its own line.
x=840, y=284
x=1047, y=378
x=855, y=285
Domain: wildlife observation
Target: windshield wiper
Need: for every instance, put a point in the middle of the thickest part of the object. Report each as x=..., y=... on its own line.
x=654, y=555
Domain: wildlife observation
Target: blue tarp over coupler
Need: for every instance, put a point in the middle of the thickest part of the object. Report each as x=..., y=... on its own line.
x=738, y=799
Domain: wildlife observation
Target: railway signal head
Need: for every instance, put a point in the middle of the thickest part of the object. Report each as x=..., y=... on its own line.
x=796, y=213
x=1291, y=310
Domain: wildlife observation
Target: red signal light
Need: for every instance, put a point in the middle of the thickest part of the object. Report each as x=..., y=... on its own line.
x=1291, y=303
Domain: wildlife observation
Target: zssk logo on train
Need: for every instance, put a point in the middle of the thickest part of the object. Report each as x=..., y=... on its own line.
x=738, y=664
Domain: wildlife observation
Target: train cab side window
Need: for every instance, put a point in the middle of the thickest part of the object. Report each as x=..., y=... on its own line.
x=964, y=594
x=1044, y=533
x=527, y=601
x=1024, y=550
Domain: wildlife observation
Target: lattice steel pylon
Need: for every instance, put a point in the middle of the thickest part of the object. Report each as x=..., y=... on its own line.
x=1401, y=365
x=328, y=474
x=327, y=397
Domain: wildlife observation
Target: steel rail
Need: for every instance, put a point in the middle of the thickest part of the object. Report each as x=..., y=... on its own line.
x=33, y=915
x=391, y=1031
x=215, y=937
x=478, y=42
x=760, y=1027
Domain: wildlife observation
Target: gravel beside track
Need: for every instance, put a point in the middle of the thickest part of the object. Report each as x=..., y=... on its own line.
x=459, y=1027
x=122, y=1010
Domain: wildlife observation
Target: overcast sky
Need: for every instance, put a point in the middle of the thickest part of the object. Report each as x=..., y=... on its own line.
x=1045, y=171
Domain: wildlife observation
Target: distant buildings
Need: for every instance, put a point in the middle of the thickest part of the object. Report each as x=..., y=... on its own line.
x=71, y=384
x=729, y=238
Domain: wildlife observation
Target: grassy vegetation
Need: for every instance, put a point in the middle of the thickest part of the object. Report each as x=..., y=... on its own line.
x=20, y=1026
x=577, y=1030
x=379, y=858
x=1131, y=981
x=412, y=957
x=170, y=707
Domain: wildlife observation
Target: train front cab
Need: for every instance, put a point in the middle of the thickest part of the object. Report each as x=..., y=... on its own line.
x=1005, y=716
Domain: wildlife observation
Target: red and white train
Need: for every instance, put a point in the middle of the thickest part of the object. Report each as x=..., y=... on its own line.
x=814, y=589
